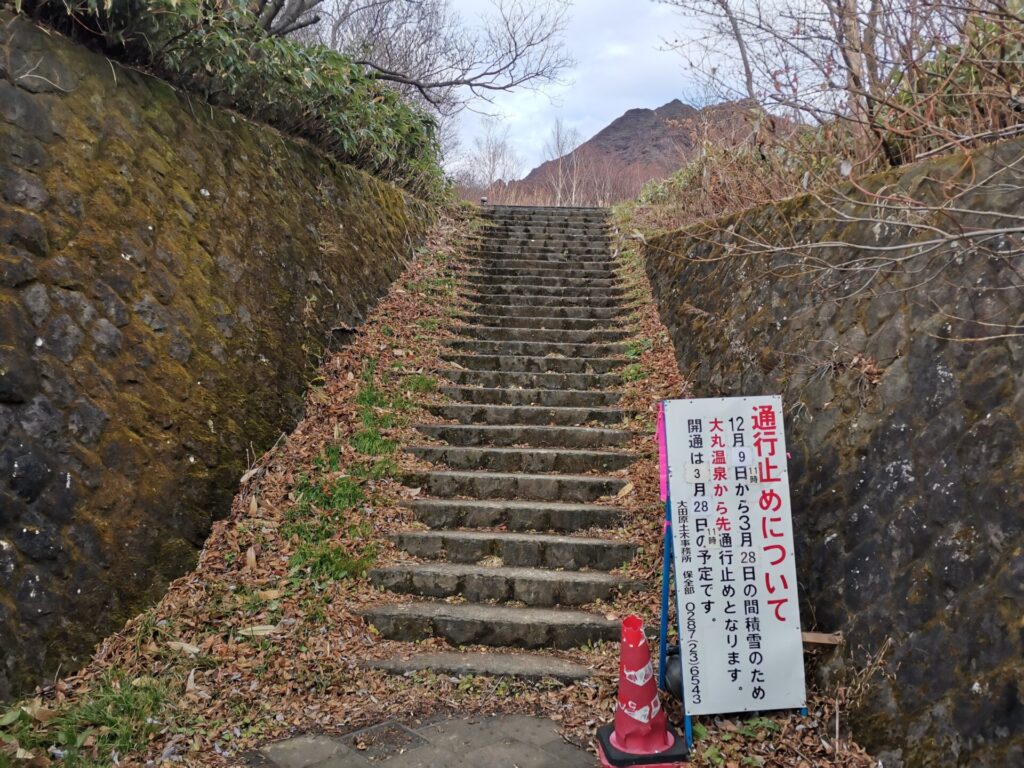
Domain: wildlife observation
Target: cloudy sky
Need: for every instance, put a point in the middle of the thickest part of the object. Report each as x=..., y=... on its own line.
x=619, y=66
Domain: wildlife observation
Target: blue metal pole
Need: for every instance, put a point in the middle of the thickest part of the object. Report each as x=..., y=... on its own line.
x=666, y=575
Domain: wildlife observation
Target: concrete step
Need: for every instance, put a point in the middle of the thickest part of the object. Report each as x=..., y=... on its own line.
x=528, y=415
x=576, y=293
x=484, y=269
x=522, y=459
x=559, y=398
x=607, y=307
x=535, y=587
x=487, y=307
x=545, y=226
x=514, y=515
x=538, y=212
x=531, y=231
x=599, y=250
x=532, y=667
x=573, y=223
x=537, y=253
x=562, y=336
x=528, y=364
x=537, y=321
x=528, y=379
x=553, y=240
x=511, y=485
x=537, y=348
x=498, y=625
x=542, y=281
x=525, y=550
x=587, y=438
x=542, y=251
x=565, y=267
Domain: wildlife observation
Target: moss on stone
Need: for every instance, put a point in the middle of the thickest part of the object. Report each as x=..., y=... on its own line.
x=223, y=254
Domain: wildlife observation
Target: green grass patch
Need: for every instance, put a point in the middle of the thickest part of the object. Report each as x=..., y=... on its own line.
x=339, y=494
x=370, y=442
x=326, y=561
x=329, y=460
x=376, y=418
x=756, y=727
x=417, y=382
x=369, y=396
x=378, y=470
x=636, y=347
x=119, y=715
x=312, y=530
x=438, y=286
x=634, y=372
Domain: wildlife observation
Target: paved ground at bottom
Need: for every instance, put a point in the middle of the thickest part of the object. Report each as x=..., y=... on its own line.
x=500, y=741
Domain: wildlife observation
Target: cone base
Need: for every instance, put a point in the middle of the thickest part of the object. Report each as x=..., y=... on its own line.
x=612, y=757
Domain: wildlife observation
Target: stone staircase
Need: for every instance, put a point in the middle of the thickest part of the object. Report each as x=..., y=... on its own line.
x=511, y=557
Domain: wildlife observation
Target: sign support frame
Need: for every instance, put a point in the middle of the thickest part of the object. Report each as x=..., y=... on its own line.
x=669, y=585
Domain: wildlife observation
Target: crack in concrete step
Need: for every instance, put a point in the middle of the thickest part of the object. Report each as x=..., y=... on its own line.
x=528, y=550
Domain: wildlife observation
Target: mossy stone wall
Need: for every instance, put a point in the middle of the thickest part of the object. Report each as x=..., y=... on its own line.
x=169, y=276
x=907, y=446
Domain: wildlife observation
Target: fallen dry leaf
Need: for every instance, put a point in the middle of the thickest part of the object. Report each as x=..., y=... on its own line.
x=260, y=630
x=183, y=647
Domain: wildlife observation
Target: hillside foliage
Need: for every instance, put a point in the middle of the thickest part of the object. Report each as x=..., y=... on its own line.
x=219, y=51
x=840, y=90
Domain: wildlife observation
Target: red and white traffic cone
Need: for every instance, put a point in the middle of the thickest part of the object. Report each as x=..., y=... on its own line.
x=640, y=734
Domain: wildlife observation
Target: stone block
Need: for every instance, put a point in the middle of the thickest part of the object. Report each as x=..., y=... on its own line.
x=27, y=190
x=16, y=268
x=25, y=112
x=305, y=751
x=63, y=338
x=19, y=377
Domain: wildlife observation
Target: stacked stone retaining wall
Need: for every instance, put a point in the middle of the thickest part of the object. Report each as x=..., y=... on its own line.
x=169, y=275
x=908, y=461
